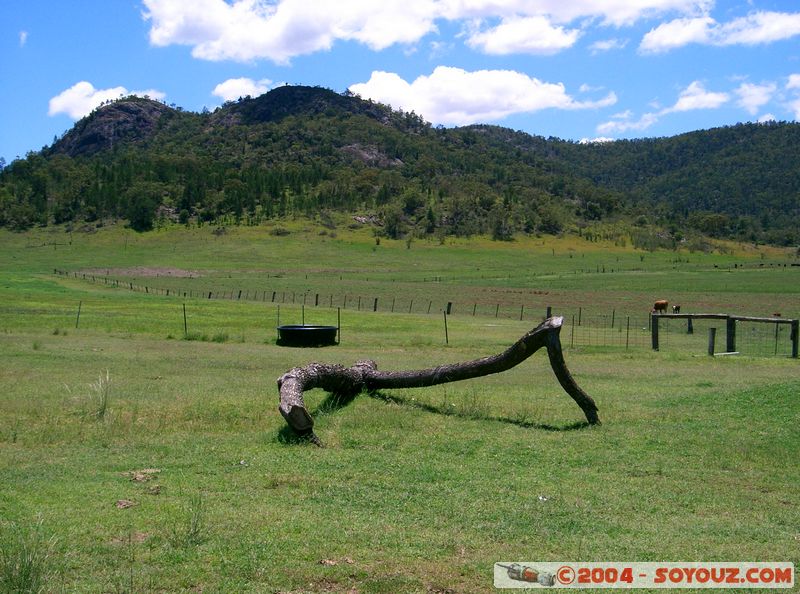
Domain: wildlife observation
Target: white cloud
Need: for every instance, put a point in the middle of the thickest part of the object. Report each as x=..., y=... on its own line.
x=760, y=27
x=695, y=96
x=439, y=49
x=81, y=98
x=692, y=97
x=622, y=123
x=596, y=140
x=795, y=107
x=455, y=96
x=247, y=30
x=607, y=45
x=793, y=84
x=527, y=35
x=676, y=34
x=767, y=117
x=23, y=38
x=752, y=96
x=233, y=88
x=754, y=29
x=278, y=30
x=616, y=13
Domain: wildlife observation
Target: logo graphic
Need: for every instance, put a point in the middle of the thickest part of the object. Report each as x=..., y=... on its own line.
x=566, y=575
x=523, y=573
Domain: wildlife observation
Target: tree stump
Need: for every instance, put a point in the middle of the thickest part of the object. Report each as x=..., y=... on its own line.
x=365, y=376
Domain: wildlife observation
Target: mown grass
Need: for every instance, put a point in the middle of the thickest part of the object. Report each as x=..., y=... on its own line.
x=189, y=480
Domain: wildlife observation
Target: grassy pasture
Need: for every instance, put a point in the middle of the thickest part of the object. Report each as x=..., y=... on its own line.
x=188, y=481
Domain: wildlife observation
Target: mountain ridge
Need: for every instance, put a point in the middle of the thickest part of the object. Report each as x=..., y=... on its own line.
x=303, y=150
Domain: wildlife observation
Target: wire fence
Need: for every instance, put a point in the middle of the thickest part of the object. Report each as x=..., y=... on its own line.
x=580, y=328
x=760, y=339
x=628, y=332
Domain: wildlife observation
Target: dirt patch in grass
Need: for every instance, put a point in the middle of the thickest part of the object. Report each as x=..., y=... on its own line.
x=141, y=476
x=143, y=271
x=132, y=538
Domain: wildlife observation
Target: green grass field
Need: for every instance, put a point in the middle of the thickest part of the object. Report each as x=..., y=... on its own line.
x=133, y=460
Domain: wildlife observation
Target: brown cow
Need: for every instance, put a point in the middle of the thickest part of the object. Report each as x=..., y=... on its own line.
x=660, y=306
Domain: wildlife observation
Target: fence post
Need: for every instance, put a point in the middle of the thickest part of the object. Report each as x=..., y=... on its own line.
x=712, y=337
x=78, y=318
x=613, y=316
x=627, y=332
x=777, y=329
x=449, y=307
x=548, y=313
x=795, y=338
x=572, y=333
x=689, y=327
x=375, y=305
x=185, y=325
x=654, y=332
x=730, y=335
x=446, y=337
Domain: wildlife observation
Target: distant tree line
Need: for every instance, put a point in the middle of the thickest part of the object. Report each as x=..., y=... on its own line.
x=302, y=151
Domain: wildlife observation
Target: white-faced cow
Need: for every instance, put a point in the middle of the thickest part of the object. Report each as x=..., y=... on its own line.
x=676, y=309
x=660, y=306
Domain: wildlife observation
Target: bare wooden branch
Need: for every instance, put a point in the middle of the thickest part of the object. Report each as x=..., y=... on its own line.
x=364, y=375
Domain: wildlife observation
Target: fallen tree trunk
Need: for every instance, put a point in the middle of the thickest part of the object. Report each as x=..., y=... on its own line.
x=364, y=375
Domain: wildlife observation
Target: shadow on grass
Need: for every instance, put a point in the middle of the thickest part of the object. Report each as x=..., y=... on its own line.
x=335, y=402
x=332, y=403
x=476, y=415
x=288, y=436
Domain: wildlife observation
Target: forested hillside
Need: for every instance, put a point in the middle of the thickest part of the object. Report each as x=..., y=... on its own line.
x=307, y=151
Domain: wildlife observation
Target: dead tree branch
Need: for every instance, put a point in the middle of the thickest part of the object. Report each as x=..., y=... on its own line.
x=364, y=375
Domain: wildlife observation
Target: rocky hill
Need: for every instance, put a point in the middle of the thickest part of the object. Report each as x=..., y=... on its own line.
x=308, y=151
x=132, y=120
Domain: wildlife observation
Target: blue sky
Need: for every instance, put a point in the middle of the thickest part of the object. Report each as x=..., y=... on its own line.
x=575, y=69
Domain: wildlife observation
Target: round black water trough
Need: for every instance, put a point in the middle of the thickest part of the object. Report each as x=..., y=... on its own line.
x=306, y=336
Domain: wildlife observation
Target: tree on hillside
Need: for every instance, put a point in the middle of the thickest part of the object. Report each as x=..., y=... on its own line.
x=142, y=199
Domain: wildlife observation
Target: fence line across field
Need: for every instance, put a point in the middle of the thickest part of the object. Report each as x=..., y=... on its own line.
x=581, y=328
x=746, y=334
x=359, y=302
